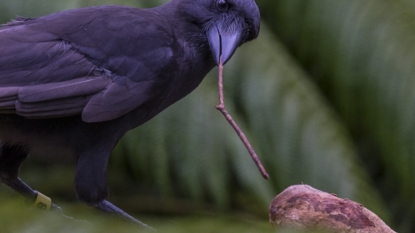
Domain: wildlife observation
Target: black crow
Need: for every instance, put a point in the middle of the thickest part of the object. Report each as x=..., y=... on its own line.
x=78, y=80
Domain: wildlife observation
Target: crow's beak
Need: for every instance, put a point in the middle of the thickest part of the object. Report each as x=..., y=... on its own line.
x=223, y=43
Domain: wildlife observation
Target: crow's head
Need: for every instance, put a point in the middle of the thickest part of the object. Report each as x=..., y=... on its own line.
x=227, y=23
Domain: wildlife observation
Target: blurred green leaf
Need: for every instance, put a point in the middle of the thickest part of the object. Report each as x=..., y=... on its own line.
x=361, y=54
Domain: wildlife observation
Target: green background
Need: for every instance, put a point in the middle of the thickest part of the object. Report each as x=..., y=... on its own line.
x=326, y=96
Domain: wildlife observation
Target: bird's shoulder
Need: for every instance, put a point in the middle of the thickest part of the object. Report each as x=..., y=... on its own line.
x=110, y=32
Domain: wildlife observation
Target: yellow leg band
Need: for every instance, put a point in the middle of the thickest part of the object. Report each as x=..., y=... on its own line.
x=42, y=202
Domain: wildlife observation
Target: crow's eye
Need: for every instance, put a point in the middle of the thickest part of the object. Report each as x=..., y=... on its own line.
x=222, y=5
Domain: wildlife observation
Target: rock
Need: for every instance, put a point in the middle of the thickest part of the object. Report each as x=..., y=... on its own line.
x=305, y=208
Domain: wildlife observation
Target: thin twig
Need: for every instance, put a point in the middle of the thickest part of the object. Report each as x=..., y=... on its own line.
x=221, y=108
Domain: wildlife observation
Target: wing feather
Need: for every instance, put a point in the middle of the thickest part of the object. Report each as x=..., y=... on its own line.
x=51, y=91
x=8, y=93
x=51, y=106
x=81, y=62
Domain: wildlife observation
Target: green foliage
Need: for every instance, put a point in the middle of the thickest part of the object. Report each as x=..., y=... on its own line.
x=18, y=218
x=360, y=53
x=325, y=95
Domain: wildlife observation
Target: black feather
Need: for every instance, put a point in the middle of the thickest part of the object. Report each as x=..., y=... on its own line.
x=78, y=80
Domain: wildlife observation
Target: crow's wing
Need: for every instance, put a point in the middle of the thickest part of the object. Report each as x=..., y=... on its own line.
x=42, y=76
x=82, y=62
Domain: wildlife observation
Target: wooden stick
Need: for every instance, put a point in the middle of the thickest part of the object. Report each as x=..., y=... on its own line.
x=221, y=108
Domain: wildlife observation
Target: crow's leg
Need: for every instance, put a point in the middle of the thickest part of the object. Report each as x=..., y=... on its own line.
x=11, y=157
x=107, y=207
x=91, y=184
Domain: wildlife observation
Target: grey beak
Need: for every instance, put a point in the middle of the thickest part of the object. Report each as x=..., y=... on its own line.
x=223, y=43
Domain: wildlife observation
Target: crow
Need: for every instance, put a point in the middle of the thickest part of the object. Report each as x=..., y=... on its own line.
x=79, y=79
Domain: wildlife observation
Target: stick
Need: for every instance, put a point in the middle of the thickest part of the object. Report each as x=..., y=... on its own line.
x=221, y=108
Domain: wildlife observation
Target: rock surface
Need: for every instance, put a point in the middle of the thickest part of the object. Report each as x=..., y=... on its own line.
x=303, y=207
